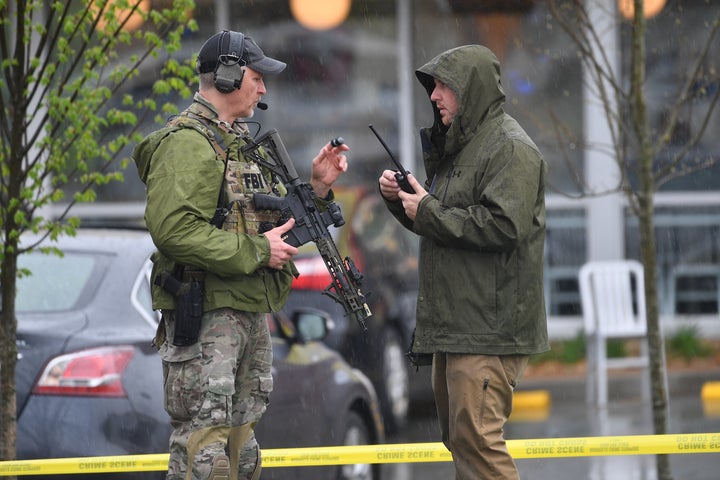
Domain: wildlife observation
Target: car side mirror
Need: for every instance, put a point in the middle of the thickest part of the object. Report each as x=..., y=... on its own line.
x=311, y=324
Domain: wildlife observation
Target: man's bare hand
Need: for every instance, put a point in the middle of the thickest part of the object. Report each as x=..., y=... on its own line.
x=280, y=252
x=327, y=166
x=389, y=187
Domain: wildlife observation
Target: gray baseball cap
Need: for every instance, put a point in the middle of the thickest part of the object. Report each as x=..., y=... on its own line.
x=232, y=47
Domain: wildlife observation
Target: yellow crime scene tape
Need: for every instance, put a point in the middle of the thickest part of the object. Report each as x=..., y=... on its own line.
x=389, y=453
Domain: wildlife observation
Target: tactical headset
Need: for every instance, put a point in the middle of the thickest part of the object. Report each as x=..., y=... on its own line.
x=229, y=67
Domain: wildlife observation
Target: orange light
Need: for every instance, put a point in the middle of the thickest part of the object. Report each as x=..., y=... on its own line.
x=320, y=14
x=650, y=8
x=135, y=18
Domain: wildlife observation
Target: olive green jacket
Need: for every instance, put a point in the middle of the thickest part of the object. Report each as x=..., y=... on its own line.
x=183, y=174
x=482, y=226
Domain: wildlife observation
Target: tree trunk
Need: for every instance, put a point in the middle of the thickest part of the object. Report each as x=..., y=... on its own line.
x=656, y=345
x=645, y=197
x=8, y=319
x=8, y=354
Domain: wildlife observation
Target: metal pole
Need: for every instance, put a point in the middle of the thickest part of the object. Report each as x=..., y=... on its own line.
x=406, y=152
x=604, y=216
x=222, y=15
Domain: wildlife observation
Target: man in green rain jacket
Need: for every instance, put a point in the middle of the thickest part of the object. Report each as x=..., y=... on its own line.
x=481, y=220
x=217, y=382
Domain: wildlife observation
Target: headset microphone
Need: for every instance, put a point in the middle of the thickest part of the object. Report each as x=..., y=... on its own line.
x=262, y=105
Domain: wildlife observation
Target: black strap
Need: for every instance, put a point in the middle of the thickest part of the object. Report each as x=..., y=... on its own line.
x=222, y=149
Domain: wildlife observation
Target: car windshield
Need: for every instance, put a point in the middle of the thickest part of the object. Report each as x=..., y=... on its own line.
x=56, y=283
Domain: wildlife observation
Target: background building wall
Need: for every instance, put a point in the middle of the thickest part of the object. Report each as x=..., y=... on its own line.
x=340, y=80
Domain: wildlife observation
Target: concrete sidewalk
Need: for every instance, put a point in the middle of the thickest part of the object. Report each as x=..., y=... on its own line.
x=621, y=385
x=568, y=415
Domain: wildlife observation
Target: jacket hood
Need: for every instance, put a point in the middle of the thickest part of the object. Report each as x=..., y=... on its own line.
x=143, y=151
x=473, y=73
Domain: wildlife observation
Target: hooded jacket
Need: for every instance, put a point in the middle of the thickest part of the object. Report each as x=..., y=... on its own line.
x=183, y=173
x=482, y=225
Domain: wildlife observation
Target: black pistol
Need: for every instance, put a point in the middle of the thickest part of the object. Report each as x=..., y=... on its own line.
x=400, y=174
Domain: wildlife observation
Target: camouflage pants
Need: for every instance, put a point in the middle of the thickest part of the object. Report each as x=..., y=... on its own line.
x=215, y=393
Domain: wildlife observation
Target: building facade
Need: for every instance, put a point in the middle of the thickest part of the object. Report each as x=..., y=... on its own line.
x=342, y=78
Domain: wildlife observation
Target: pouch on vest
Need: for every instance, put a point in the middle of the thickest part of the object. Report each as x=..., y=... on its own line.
x=242, y=180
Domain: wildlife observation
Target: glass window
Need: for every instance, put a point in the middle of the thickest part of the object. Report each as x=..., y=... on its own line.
x=669, y=63
x=340, y=80
x=565, y=252
x=56, y=283
x=688, y=258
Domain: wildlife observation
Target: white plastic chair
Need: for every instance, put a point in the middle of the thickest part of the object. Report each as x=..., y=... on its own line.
x=613, y=304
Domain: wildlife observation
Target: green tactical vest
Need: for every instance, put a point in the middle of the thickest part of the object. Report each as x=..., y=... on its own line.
x=243, y=178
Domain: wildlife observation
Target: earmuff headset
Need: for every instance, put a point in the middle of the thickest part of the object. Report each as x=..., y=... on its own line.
x=229, y=67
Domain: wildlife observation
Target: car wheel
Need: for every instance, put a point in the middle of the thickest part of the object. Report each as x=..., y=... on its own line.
x=393, y=383
x=356, y=433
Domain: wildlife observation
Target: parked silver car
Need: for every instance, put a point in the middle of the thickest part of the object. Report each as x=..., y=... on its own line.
x=90, y=384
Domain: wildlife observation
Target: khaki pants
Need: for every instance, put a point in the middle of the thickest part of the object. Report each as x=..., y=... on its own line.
x=473, y=397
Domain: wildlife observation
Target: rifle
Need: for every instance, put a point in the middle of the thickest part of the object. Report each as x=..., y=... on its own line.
x=400, y=174
x=311, y=224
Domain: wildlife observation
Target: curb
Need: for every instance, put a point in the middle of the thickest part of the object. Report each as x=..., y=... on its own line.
x=710, y=395
x=710, y=392
x=531, y=406
x=531, y=399
x=626, y=385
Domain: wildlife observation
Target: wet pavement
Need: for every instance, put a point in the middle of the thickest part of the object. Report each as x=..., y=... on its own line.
x=568, y=415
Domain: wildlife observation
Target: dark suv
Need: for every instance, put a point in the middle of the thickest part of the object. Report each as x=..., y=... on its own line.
x=386, y=254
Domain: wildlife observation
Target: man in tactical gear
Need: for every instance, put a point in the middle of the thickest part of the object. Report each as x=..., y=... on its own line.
x=216, y=273
x=480, y=216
